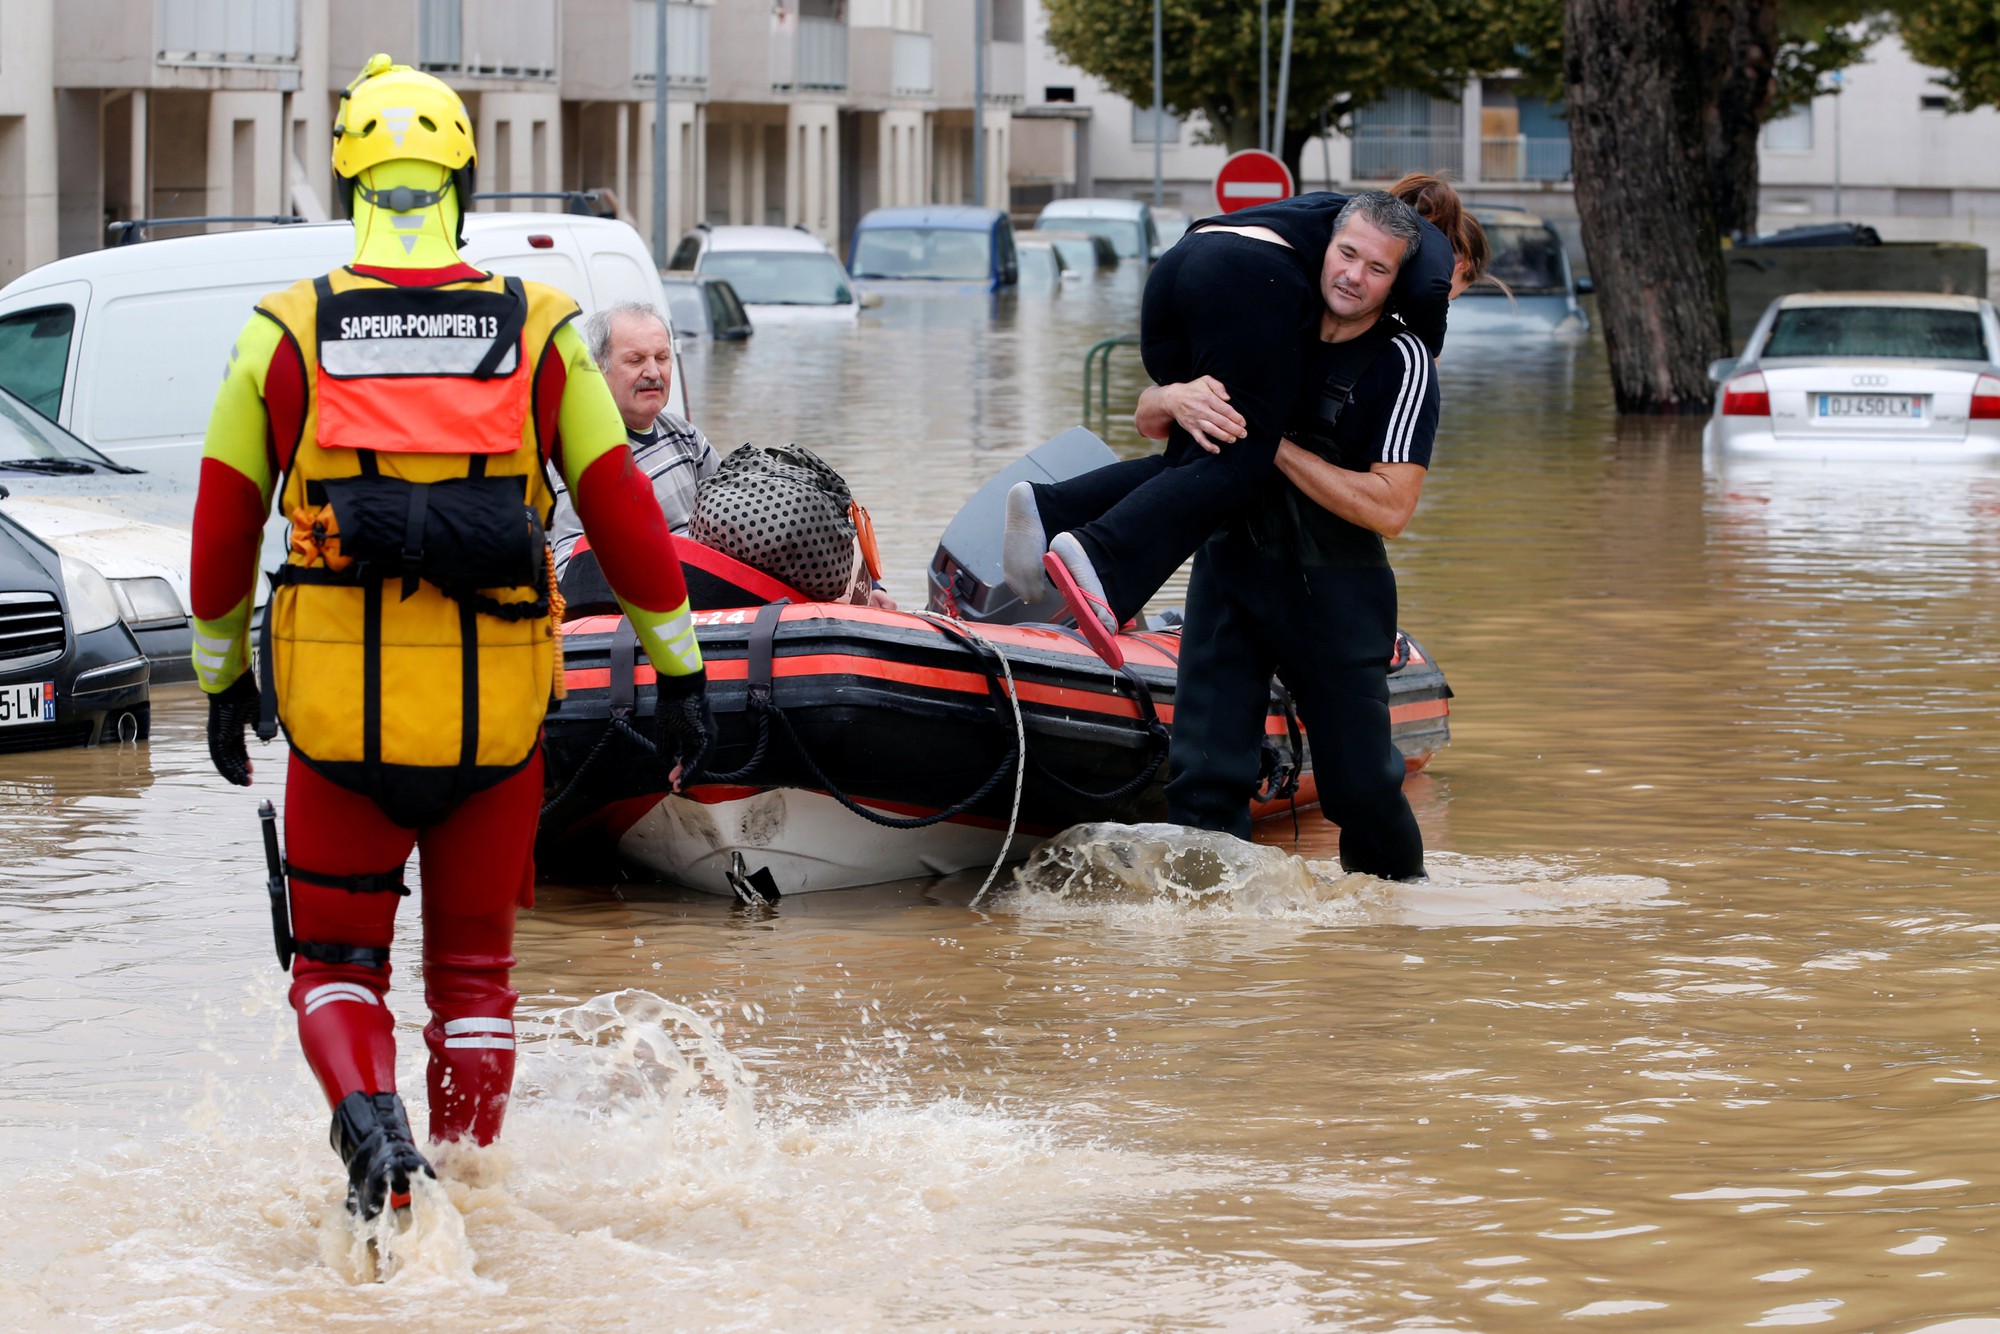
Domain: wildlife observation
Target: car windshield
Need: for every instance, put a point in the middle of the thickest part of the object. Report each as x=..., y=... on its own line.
x=30, y=439
x=1876, y=331
x=685, y=306
x=922, y=252
x=1123, y=233
x=1527, y=259
x=781, y=277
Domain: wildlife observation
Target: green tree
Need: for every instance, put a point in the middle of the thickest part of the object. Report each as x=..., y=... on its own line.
x=1962, y=38
x=1345, y=54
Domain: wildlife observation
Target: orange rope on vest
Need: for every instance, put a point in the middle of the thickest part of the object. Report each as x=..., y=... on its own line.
x=558, y=689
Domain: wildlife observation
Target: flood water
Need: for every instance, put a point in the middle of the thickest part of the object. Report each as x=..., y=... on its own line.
x=1687, y=1030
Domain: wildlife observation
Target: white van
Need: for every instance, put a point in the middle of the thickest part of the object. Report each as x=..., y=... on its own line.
x=126, y=347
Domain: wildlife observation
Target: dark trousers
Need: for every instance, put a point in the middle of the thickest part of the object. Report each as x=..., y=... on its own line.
x=1328, y=635
x=1216, y=304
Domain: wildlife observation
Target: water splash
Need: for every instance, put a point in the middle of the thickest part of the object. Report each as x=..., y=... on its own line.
x=424, y=1245
x=1164, y=872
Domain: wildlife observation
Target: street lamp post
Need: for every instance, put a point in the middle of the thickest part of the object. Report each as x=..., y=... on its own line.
x=660, y=132
x=979, y=102
x=1263, y=75
x=1284, y=84
x=1159, y=107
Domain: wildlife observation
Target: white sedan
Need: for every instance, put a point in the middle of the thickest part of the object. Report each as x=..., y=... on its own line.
x=1863, y=375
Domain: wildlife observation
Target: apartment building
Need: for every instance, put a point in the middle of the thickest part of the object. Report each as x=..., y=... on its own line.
x=796, y=112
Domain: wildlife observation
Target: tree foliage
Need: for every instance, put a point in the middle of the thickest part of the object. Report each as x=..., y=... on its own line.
x=1345, y=54
x=1961, y=37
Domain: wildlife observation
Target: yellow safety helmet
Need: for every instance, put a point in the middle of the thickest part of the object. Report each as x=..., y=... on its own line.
x=392, y=113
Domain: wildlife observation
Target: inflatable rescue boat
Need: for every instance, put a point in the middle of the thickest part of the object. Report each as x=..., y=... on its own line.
x=857, y=746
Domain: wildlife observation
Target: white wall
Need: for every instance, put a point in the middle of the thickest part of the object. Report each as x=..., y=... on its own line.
x=1914, y=174
x=28, y=224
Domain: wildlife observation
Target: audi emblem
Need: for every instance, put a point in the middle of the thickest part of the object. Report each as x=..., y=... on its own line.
x=1871, y=382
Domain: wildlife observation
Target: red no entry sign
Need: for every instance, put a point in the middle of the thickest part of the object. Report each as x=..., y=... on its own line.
x=1251, y=177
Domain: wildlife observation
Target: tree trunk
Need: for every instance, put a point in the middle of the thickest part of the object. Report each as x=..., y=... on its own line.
x=1739, y=46
x=1633, y=82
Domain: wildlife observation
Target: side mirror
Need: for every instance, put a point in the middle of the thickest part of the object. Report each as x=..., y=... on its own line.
x=1585, y=286
x=1718, y=371
x=870, y=300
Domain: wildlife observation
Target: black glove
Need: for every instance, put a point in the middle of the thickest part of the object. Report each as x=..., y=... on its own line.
x=683, y=725
x=229, y=712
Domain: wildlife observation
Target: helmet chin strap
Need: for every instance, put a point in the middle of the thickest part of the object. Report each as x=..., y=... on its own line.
x=405, y=216
x=402, y=198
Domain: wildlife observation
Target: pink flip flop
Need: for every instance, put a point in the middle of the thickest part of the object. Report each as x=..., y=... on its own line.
x=1084, y=607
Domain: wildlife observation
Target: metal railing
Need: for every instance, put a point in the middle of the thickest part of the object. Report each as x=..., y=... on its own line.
x=809, y=54
x=504, y=38
x=910, y=66
x=687, y=43
x=1100, y=354
x=227, y=32
x=1383, y=155
x=1522, y=158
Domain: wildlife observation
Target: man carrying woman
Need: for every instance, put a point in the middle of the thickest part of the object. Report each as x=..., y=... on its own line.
x=1292, y=576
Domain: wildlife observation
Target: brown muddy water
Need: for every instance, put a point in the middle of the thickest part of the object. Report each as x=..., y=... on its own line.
x=1687, y=1031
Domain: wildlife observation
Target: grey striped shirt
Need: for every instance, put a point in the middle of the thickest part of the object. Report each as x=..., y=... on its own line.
x=675, y=455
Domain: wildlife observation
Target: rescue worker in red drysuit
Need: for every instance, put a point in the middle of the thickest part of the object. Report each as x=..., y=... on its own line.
x=402, y=409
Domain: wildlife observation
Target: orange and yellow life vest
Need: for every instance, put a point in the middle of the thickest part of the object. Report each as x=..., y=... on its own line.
x=408, y=637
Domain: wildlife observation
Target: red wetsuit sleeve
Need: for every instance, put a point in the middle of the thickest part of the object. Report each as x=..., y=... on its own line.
x=228, y=519
x=634, y=546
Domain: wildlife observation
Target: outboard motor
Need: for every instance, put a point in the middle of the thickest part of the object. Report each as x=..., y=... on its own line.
x=965, y=574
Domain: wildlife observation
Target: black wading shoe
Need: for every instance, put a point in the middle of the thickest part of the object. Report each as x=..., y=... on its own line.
x=371, y=1133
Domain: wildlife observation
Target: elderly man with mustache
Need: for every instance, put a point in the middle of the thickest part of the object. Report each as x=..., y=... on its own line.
x=635, y=351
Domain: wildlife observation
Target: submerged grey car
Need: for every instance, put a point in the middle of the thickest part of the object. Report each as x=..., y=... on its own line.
x=1540, y=291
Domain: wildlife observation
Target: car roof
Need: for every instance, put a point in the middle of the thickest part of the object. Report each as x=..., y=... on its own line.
x=326, y=244
x=946, y=217
x=689, y=278
x=764, y=238
x=1508, y=215
x=1926, y=300
x=1094, y=208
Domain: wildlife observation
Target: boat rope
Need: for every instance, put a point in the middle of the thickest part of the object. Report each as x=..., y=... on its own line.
x=1020, y=744
x=1015, y=754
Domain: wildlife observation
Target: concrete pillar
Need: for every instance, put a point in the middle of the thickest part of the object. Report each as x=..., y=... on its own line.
x=142, y=176
x=1474, y=106
x=79, y=170
x=812, y=168
x=998, y=126
x=244, y=135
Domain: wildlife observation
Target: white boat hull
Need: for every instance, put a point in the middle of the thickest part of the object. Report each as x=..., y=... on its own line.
x=806, y=840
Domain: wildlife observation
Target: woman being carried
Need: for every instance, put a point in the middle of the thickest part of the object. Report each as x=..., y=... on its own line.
x=1241, y=303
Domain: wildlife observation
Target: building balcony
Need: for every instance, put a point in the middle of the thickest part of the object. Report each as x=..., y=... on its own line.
x=808, y=55
x=687, y=43
x=1006, y=73
x=1386, y=154
x=508, y=39
x=227, y=32
x=1522, y=158
x=912, y=71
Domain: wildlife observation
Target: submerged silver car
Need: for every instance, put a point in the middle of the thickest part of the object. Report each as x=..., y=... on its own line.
x=1874, y=375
